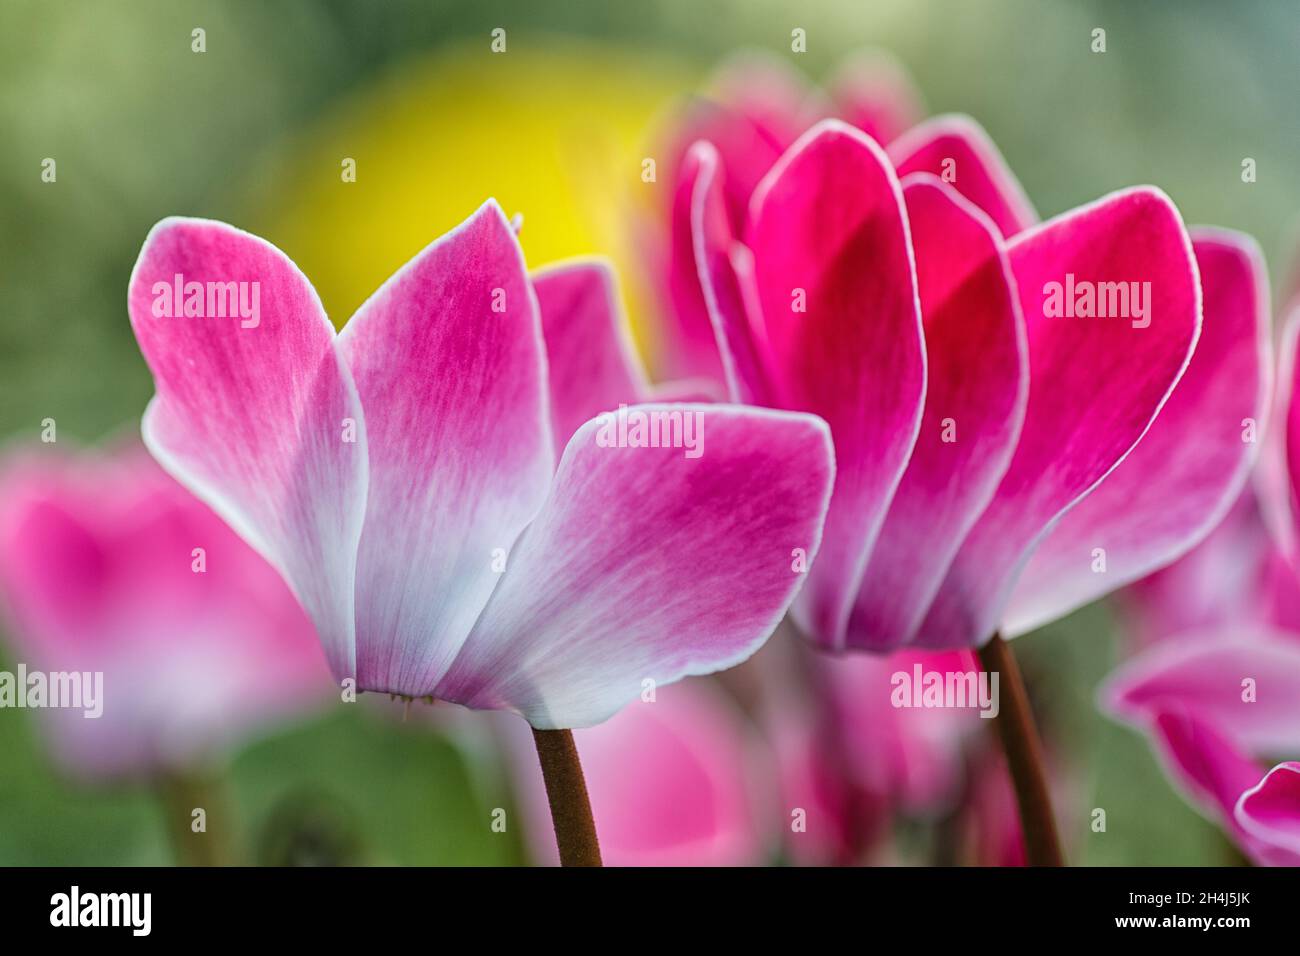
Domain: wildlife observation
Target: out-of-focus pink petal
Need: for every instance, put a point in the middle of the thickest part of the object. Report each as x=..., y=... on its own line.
x=97, y=572
x=1097, y=384
x=592, y=364
x=1236, y=577
x=837, y=289
x=1273, y=475
x=251, y=413
x=726, y=278
x=1204, y=764
x=690, y=346
x=978, y=383
x=958, y=150
x=1270, y=813
x=1188, y=469
x=751, y=110
x=647, y=564
x=669, y=781
x=1247, y=686
x=910, y=756
x=451, y=369
x=1285, y=497
x=872, y=91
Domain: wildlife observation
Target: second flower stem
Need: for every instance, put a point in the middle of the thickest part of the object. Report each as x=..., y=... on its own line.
x=566, y=791
x=1024, y=752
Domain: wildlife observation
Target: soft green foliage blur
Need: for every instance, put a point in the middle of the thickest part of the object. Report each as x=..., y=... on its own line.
x=141, y=128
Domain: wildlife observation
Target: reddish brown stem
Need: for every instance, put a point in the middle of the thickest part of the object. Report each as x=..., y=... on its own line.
x=1015, y=723
x=566, y=790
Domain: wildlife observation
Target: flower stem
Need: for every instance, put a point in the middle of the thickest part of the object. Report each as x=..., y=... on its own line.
x=1015, y=722
x=566, y=790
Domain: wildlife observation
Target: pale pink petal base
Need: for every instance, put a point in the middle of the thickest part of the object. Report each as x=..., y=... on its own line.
x=649, y=565
x=451, y=369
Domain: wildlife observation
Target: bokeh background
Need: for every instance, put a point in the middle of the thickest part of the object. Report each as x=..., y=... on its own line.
x=253, y=132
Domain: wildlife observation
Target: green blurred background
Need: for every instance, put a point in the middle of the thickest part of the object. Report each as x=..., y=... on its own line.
x=253, y=132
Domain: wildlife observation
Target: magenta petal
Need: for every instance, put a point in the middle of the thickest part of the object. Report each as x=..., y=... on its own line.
x=1237, y=576
x=1270, y=813
x=649, y=565
x=752, y=109
x=1097, y=385
x=1246, y=686
x=1191, y=465
x=250, y=415
x=449, y=362
x=1206, y=766
x=977, y=385
x=837, y=288
x=872, y=91
x=592, y=364
x=957, y=150
x=1282, y=473
x=726, y=277
x=690, y=347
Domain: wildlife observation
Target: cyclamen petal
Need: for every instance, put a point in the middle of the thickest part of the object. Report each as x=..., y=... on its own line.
x=1209, y=768
x=1098, y=385
x=1245, y=685
x=647, y=564
x=1237, y=578
x=253, y=418
x=726, y=279
x=1188, y=469
x=837, y=288
x=451, y=369
x=1270, y=813
x=872, y=91
x=957, y=150
x=592, y=364
x=978, y=382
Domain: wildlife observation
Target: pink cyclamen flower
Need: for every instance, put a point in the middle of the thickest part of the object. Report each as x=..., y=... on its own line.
x=1022, y=423
x=108, y=566
x=402, y=475
x=1215, y=704
x=673, y=781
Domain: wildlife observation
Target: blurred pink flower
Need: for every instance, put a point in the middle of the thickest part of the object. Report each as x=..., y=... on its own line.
x=973, y=424
x=851, y=763
x=1238, y=577
x=1214, y=705
x=1218, y=689
x=98, y=571
x=673, y=782
x=402, y=476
